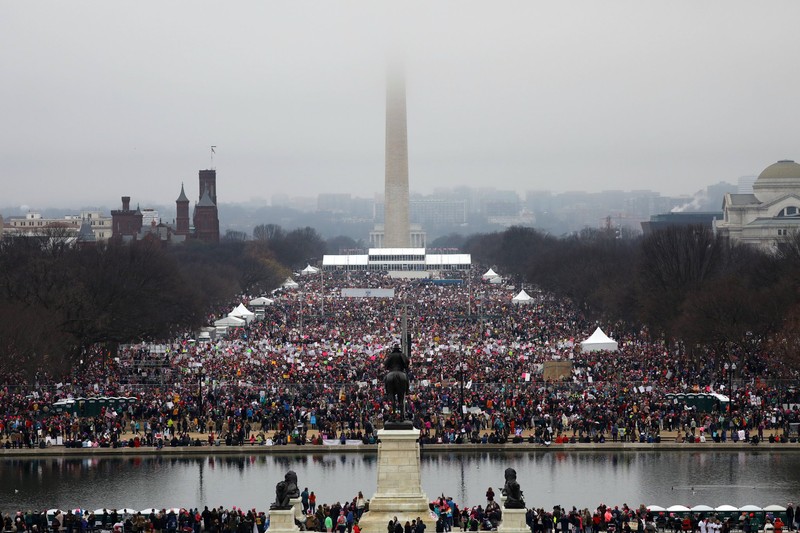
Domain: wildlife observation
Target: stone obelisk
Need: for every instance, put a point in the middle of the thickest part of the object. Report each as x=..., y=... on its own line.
x=397, y=230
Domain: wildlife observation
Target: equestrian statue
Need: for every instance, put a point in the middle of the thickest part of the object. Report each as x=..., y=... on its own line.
x=396, y=381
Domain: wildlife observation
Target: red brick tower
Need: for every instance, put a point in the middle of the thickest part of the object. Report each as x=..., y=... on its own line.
x=208, y=182
x=182, y=218
x=206, y=216
x=125, y=223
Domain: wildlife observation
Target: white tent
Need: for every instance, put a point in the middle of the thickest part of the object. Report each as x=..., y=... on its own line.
x=261, y=301
x=242, y=312
x=309, y=270
x=599, y=341
x=229, y=322
x=290, y=284
x=496, y=280
x=490, y=274
x=522, y=298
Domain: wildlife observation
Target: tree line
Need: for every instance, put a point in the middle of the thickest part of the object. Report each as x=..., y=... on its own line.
x=684, y=285
x=58, y=298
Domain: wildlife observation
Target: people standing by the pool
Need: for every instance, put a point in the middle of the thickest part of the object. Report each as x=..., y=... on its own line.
x=304, y=500
x=361, y=504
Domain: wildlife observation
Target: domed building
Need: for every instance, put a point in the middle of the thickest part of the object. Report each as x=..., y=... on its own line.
x=768, y=215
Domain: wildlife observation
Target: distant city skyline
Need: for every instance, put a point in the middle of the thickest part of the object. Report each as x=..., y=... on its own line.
x=101, y=100
x=462, y=210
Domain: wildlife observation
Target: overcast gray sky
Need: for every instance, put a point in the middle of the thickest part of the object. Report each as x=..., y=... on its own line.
x=101, y=99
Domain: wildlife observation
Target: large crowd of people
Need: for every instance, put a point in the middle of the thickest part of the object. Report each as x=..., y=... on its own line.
x=445, y=516
x=311, y=370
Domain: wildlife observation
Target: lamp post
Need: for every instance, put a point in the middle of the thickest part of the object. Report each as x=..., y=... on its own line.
x=200, y=375
x=727, y=368
x=313, y=260
x=322, y=289
x=480, y=313
x=300, y=300
x=461, y=368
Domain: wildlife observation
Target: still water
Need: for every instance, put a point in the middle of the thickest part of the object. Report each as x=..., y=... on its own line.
x=548, y=478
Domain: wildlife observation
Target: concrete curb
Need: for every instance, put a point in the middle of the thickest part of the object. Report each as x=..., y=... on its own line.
x=427, y=449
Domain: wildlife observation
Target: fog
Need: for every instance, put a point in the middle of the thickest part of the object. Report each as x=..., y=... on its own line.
x=103, y=99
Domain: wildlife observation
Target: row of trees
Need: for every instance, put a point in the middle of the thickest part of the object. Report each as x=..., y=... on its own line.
x=57, y=299
x=683, y=284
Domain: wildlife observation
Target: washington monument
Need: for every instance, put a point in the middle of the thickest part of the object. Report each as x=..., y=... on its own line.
x=397, y=231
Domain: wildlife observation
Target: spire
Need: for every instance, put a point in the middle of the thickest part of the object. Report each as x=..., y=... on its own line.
x=182, y=197
x=206, y=200
x=86, y=234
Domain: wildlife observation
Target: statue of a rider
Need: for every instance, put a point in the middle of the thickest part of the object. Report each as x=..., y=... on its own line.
x=396, y=381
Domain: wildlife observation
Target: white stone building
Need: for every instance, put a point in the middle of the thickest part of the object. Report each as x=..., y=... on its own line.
x=33, y=223
x=767, y=216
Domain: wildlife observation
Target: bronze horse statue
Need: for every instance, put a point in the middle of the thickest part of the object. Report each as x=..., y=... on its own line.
x=396, y=381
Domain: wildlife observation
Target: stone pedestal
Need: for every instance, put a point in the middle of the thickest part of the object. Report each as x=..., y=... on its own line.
x=282, y=521
x=513, y=521
x=399, y=484
x=297, y=505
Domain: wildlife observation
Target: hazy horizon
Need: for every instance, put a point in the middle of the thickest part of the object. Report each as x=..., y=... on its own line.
x=103, y=100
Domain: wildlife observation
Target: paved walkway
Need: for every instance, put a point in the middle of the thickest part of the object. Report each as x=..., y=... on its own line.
x=668, y=443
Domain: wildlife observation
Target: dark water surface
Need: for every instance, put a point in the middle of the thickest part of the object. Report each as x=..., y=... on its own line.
x=548, y=478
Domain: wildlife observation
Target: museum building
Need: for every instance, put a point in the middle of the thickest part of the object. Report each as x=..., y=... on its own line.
x=770, y=214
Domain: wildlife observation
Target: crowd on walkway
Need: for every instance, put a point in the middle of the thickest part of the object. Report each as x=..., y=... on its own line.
x=301, y=375
x=445, y=516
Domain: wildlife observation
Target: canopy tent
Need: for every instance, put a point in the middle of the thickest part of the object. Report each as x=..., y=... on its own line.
x=261, y=301
x=290, y=284
x=309, y=270
x=522, y=298
x=230, y=322
x=242, y=312
x=496, y=280
x=598, y=341
x=490, y=274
